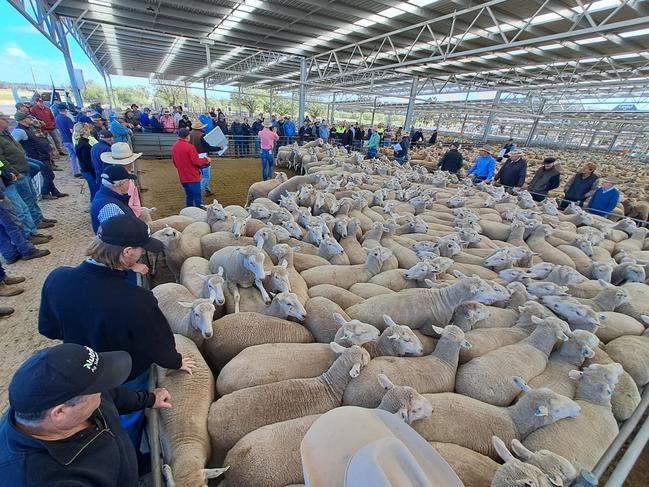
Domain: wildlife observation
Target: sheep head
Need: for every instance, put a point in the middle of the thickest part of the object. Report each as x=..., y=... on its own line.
x=253, y=261
x=277, y=280
x=596, y=383
x=560, y=471
x=201, y=315
x=514, y=473
x=544, y=403
x=452, y=333
x=402, y=340
x=239, y=226
x=214, y=283
x=404, y=401
x=354, y=356
x=546, y=288
x=354, y=332
x=288, y=305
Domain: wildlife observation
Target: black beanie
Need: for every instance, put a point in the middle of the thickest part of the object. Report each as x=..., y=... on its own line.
x=549, y=160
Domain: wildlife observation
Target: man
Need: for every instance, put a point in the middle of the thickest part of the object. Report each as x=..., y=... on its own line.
x=581, y=186
x=513, y=173
x=168, y=122
x=507, y=148
x=104, y=145
x=66, y=127
x=185, y=157
x=433, y=138
x=121, y=154
x=145, y=120
x=418, y=137
x=62, y=428
x=84, y=116
x=373, y=145
x=267, y=139
x=196, y=137
x=452, y=160
x=483, y=167
x=120, y=128
x=605, y=198
x=178, y=113
x=112, y=198
x=237, y=133
x=401, y=155
x=256, y=127
x=545, y=180
x=45, y=115
x=289, y=130
x=37, y=150
x=323, y=131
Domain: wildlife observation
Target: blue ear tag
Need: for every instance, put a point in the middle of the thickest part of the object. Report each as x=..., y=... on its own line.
x=537, y=412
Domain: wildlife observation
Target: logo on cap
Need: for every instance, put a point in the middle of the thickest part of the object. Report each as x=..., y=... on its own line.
x=92, y=361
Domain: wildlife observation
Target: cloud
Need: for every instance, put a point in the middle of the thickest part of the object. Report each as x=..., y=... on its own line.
x=23, y=29
x=13, y=50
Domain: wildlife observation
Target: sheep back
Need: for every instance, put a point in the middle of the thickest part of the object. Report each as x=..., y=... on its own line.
x=168, y=296
x=342, y=297
x=319, y=319
x=632, y=352
x=474, y=469
x=303, y=262
x=367, y=290
x=175, y=221
x=487, y=339
x=617, y=325
x=498, y=318
x=394, y=280
x=214, y=241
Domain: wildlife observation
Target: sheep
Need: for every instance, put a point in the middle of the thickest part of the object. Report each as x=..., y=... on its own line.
x=354, y=332
x=342, y=297
x=617, y=325
x=473, y=469
x=187, y=315
x=270, y=456
x=174, y=221
x=609, y=299
x=346, y=275
x=195, y=276
x=627, y=272
x=368, y=290
x=277, y=279
x=487, y=377
x=579, y=316
x=235, y=332
x=419, y=308
x=536, y=242
x=243, y=266
x=364, y=391
x=545, y=288
x=213, y=242
x=582, y=440
x=196, y=214
x=262, y=188
x=332, y=251
x=395, y=340
x=559, y=470
x=633, y=353
x=470, y=423
x=282, y=252
x=468, y=314
x=281, y=401
x=192, y=395
x=353, y=249
x=178, y=247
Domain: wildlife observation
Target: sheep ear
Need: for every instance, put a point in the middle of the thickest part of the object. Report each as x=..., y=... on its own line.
x=541, y=411
x=220, y=271
x=338, y=318
x=521, y=384
x=388, y=321
x=459, y=275
x=520, y=450
x=438, y=330
x=501, y=449
x=554, y=480
x=536, y=319
x=337, y=348
x=645, y=319
x=575, y=374
x=284, y=263
x=429, y=282
x=385, y=382
x=185, y=304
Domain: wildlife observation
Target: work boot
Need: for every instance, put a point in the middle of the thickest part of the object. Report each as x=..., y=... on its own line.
x=208, y=192
x=39, y=239
x=36, y=254
x=6, y=291
x=50, y=220
x=5, y=311
x=48, y=197
x=44, y=224
x=61, y=195
x=14, y=280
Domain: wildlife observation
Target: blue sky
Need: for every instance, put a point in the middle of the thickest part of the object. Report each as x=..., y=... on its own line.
x=23, y=47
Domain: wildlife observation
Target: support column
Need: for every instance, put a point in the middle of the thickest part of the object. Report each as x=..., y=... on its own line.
x=374, y=110
x=535, y=124
x=592, y=140
x=610, y=147
x=466, y=115
x=439, y=122
x=108, y=92
x=65, y=49
x=302, y=93
x=208, y=60
x=293, y=105
x=111, y=93
x=411, y=104
x=239, y=100
x=207, y=109
x=490, y=119
x=270, y=103
x=333, y=107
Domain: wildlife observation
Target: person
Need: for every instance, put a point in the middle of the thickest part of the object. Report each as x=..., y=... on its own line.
x=83, y=149
x=221, y=122
x=62, y=427
x=373, y=145
x=256, y=127
x=581, y=186
x=237, y=133
x=185, y=122
x=196, y=137
x=418, y=137
x=119, y=128
x=207, y=121
x=433, y=138
x=484, y=166
x=156, y=126
x=289, y=130
x=267, y=139
x=103, y=145
x=401, y=155
x=98, y=125
x=323, y=131
x=387, y=136
x=245, y=126
x=112, y=197
x=544, y=180
x=121, y=155
x=507, y=148
x=187, y=162
x=178, y=114
x=452, y=160
x=347, y=139
x=45, y=115
x=84, y=116
x=65, y=125
x=513, y=173
x=605, y=199
x=145, y=119
x=168, y=122
x=359, y=135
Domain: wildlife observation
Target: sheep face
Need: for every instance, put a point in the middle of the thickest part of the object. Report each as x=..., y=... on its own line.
x=215, y=213
x=355, y=356
x=597, y=382
x=514, y=473
x=567, y=275
x=448, y=248
x=277, y=280
x=167, y=235
x=341, y=228
x=215, y=288
x=585, y=246
x=453, y=333
x=201, y=316
x=424, y=246
x=540, y=271
x=281, y=233
x=545, y=288
x=578, y=315
x=634, y=273
x=402, y=339
x=289, y=305
x=547, y=404
x=330, y=247
x=254, y=263
x=502, y=293
x=468, y=235
x=420, y=271
x=239, y=226
x=586, y=341
x=354, y=332
x=482, y=292
x=512, y=275
x=601, y=271
x=500, y=258
x=281, y=251
x=559, y=327
x=559, y=470
x=259, y=212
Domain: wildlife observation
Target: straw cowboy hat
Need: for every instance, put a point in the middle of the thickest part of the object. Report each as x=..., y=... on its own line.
x=120, y=154
x=517, y=153
x=267, y=123
x=197, y=124
x=358, y=447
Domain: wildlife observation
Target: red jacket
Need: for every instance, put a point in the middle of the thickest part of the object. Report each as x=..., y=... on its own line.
x=185, y=158
x=45, y=115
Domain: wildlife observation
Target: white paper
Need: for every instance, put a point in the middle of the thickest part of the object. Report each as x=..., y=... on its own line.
x=222, y=151
x=202, y=155
x=216, y=138
x=397, y=147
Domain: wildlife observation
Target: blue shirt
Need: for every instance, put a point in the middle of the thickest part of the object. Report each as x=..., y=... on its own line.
x=145, y=121
x=289, y=128
x=119, y=132
x=95, y=156
x=483, y=167
x=603, y=201
x=65, y=126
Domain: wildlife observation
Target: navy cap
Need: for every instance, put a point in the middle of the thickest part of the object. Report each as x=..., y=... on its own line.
x=116, y=173
x=55, y=375
x=183, y=132
x=128, y=231
x=106, y=134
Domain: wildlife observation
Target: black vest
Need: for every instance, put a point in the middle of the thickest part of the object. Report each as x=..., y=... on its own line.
x=580, y=186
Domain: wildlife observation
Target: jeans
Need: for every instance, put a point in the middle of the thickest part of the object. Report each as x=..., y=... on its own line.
x=92, y=183
x=288, y=140
x=357, y=144
x=12, y=234
x=22, y=210
x=48, y=176
x=266, y=164
x=386, y=142
x=371, y=153
x=74, y=165
x=56, y=138
x=27, y=193
x=257, y=147
x=192, y=194
x=238, y=145
x=206, y=173
x=133, y=423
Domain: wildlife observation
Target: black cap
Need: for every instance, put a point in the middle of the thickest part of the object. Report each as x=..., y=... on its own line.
x=182, y=133
x=62, y=107
x=128, y=231
x=116, y=173
x=55, y=375
x=549, y=160
x=106, y=134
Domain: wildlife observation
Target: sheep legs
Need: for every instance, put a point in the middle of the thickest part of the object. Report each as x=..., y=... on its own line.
x=234, y=290
x=264, y=295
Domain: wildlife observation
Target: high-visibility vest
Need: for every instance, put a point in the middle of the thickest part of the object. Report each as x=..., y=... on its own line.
x=380, y=130
x=340, y=130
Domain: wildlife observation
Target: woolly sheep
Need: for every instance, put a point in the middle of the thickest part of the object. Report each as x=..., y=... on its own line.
x=516, y=472
x=354, y=332
x=195, y=276
x=342, y=297
x=474, y=469
x=579, y=316
x=174, y=221
x=177, y=247
x=633, y=353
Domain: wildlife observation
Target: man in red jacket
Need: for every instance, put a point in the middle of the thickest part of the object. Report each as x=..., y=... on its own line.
x=45, y=115
x=185, y=158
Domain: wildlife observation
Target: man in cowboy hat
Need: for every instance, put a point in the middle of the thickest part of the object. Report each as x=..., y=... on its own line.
x=605, y=198
x=267, y=139
x=484, y=166
x=123, y=155
x=513, y=173
x=168, y=122
x=546, y=178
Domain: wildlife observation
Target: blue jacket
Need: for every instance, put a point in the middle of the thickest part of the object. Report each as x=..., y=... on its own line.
x=65, y=126
x=236, y=128
x=483, y=167
x=119, y=131
x=324, y=132
x=103, y=197
x=289, y=128
x=207, y=120
x=145, y=121
x=603, y=202
x=95, y=155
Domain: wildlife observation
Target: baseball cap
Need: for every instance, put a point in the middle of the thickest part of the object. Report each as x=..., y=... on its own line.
x=62, y=107
x=116, y=173
x=106, y=134
x=127, y=231
x=20, y=116
x=57, y=374
x=182, y=133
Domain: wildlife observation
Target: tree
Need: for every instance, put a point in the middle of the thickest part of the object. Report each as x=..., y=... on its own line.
x=315, y=110
x=94, y=93
x=169, y=96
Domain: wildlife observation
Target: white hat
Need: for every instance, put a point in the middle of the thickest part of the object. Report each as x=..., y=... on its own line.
x=120, y=154
x=267, y=123
x=358, y=447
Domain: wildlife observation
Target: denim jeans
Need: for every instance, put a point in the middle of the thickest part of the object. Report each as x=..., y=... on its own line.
x=22, y=210
x=133, y=423
x=12, y=234
x=74, y=164
x=266, y=164
x=238, y=145
x=371, y=153
x=193, y=194
x=92, y=183
x=48, y=176
x=206, y=173
x=28, y=194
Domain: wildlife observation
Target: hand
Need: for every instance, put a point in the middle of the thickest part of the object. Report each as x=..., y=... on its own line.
x=188, y=365
x=140, y=268
x=162, y=398
x=14, y=177
x=209, y=159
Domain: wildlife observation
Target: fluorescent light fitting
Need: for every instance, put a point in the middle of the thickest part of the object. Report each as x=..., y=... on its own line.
x=634, y=33
x=545, y=18
x=364, y=22
x=625, y=56
x=517, y=52
x=549, y=47
x=597, y=6
x=489, y=56
x=591, y=40
x=343, y=30
x=500, y=28
x=589, y=60
x=229, y=23
x=102, y=3
x=391, y=12
x=245, y=8
x=422, y=3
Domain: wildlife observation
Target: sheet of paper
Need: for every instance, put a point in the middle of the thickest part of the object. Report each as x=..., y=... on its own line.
x=216, y=138
x=397, y=147
x=202, y=154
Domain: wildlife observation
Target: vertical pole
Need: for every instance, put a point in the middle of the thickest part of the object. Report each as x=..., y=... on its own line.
x=207, y=109
x=208, y=61
x=439, y=121
x=302, y=93
x=333, y=107
x=65, y=48
x=186, y=96
x=592, y=139
x=239, y=100
x=490, y=119
x=535, y=124
x=112, y=93
x=108, y=92
x=610, y=147
x=270, y=103
x=374, y=110
x=411, y=104
x=463, y=123
x=293, y=105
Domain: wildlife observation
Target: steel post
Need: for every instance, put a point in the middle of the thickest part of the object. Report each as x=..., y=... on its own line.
x=65, y=49
x=490, y=119
x=610, y=147
x=207, y=108
x=411, y=104
x=333, y=107
x=108, y=91
x=535, y=124
x=111, y=94
x=186, y=96
x=302, y=93
x=373, y=110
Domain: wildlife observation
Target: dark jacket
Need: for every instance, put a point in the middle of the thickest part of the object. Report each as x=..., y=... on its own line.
x=245, y=127
x=545, y=180
x=103, y=197
x=99, y=456
x=236, y=128
x=578, y=188
x=95, y=306
x=185, y=123
x=156, y=126
x=12, y=154
x=95, y=155
x=257, y=127
x=83, y=150
x=433, y=138
x=35, y=147
x=512, y=174
x=348, y=137
x=451, y=161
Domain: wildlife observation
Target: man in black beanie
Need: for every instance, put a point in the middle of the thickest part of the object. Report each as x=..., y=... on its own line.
x=545, y=180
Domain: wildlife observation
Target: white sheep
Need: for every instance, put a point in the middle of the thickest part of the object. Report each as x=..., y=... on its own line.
x=195, y=276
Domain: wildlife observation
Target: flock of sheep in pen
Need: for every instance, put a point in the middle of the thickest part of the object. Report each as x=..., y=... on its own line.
x=511, y=336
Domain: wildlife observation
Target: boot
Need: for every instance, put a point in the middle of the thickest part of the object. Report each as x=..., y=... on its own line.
x=36, y=254
x=49, y=220
x=5, y=311
x=39, y=239
x=14, y=280
x=44, y=224
x=6, y=291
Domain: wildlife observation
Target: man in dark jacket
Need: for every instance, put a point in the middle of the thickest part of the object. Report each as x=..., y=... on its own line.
x=451, y=161
x=62, y=427
x=545, y=180
x=104, y=145
x=237, y=133
x=112, y=198
x=433, y=138
x=257, y=127
x=581, y=186
x=513, y=173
